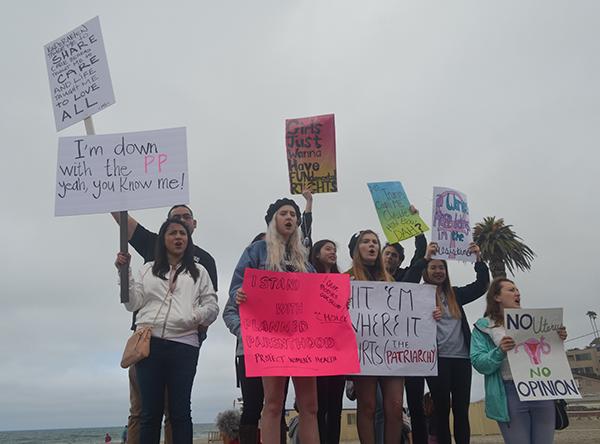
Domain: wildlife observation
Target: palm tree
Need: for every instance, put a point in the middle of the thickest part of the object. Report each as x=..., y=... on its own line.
x=592, y=315
x=501, y=247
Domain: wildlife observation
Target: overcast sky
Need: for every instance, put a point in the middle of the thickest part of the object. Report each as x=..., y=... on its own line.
x=496, y=99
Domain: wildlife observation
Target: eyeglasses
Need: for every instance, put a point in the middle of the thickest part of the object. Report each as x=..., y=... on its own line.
x=182, y=216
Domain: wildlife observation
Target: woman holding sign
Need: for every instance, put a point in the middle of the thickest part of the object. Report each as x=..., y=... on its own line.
x=174, y=296
x=521, y=422
x=330, y=389
x=281, y=250
x=367, y=265
x=451, y=388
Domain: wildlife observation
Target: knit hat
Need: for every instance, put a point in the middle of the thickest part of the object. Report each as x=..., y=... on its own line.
x=275, y=206
x=352, y=243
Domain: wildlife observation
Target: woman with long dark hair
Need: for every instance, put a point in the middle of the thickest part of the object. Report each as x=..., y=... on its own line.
x=174, y=296
x=367, y=265
x=330, y=389
x=281, y=250
x=451, y=388
x=521, y=422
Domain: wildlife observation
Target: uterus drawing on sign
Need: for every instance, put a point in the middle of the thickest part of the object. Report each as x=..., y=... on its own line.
x=534, y=349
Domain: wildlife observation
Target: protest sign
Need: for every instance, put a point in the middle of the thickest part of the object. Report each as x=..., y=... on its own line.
x=393, y=210
x=117, y=172
x=297, y=324
x=310, y=146
x=80, y=82
x=538, y=362
x=450, y=225
x=395, y=329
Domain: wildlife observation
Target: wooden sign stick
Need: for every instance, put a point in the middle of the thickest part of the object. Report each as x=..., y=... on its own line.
x=123, y=234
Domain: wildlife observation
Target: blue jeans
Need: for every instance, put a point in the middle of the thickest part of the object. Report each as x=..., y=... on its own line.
x=171, y=365
x=531, y=422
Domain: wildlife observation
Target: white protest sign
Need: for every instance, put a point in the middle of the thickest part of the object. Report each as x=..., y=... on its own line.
x=118, y=172
x=450, y=225
x=395, y=329
x=538, y=362
x=80, y=82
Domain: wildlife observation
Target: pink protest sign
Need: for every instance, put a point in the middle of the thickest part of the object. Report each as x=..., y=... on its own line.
x=310, y=147
x=297, y=324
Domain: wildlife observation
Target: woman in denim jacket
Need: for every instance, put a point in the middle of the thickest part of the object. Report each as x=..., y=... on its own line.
x=281, y=250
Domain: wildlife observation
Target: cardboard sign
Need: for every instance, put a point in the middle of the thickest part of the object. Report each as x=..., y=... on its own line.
x=395, y=329
x=393, y=210
x=297, y=324
x=80, y=82
x=118, y=172
x=538, y=362
x=310, y=146
x=451, y=227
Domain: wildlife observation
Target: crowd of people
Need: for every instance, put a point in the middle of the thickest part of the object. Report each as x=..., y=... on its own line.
x=175, y=294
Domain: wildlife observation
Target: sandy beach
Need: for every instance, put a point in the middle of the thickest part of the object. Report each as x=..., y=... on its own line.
x=580, y=431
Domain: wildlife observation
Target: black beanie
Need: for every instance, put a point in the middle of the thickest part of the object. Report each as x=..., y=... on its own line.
x=352, y=243
x=277, y=205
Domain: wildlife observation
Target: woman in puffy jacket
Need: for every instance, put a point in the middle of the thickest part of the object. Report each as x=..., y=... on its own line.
x=174, y=296
x=521, y=422
x=281, y=250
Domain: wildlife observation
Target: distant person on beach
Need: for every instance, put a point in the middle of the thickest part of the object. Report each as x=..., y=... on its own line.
x=173, y=295
x=252, y=388
x=124, y=436
x=282, y=250
x=521, y=422
x=107, y=438
x=144, y=242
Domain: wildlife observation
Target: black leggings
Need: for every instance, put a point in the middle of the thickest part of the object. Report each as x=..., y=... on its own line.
x=452, y=387
x=330, y=390
x=254, y=396
x=414, y=386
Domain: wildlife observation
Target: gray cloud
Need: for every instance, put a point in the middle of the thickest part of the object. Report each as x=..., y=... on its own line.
x=497, y=100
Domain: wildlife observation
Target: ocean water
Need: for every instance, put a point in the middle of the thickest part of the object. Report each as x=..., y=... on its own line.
x=80, y=436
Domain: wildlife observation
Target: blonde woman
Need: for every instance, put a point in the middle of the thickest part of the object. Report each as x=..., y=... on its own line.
x=281, y=250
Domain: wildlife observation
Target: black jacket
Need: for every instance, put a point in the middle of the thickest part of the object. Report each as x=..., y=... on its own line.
x=405, y=274
x=465, y=294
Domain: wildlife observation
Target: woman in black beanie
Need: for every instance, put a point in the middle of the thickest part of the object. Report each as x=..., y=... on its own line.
x=281, y=250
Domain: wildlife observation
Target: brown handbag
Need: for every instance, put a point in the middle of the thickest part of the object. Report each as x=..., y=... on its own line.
x=137, y=347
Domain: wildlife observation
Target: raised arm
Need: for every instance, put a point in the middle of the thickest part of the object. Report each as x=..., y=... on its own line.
x=476, y=289
x=131, y=223
x=415, y=271
x=307, y=219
